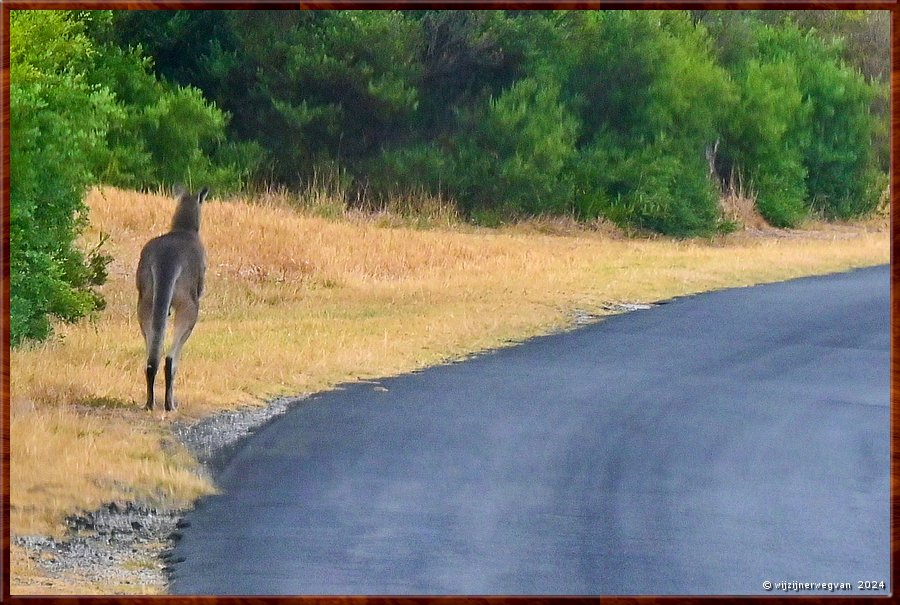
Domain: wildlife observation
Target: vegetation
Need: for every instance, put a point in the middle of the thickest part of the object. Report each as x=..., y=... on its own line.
x=57, y=120
x=591, y=113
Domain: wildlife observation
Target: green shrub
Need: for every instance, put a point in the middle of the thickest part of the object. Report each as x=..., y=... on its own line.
x=839, y=157
x=804, y=129
x=651, y=99
x=164, y=134
x=515, y=155
x=655, y=187
x=766, y=140
x=840, y=162
x=672, y=193
x=414, y=167
x=511, y=112
x=314, y=87
x=57, y=121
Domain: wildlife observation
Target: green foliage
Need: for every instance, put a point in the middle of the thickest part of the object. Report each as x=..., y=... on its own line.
x=838, y=158
x=803, y=131
x=466, y=58
x=351, y=70
x=862, y=38
x=412, y=167
x=616, y=114
x=164, y=134
x=517, y=151
x=519, y=112
x=651, y=99
x=766, y=138
x=307, y=88
x=652, y=187
x=57, y=120
x=646, y=73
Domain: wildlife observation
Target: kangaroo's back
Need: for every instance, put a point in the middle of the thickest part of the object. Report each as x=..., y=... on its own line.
x=170, y=275
x=179, y=253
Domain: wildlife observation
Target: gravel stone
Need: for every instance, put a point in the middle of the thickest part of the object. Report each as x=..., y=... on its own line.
x=117, y=544
x=214, y=440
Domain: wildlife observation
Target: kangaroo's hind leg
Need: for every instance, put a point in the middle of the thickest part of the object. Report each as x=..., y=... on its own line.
x=145, y=315
x=185, y=319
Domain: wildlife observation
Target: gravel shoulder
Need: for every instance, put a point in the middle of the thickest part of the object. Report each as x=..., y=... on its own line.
x=126, y=547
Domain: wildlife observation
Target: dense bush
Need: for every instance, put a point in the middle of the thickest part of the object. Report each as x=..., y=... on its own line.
x=803, y=133
x=838, y=156
x=57, y=121
x=513, y=156
x=307, y=88
x=164, y=134
x=654, y=186
x=419, y=167
x=596, y=113
x=766, y=138
x=651, y=100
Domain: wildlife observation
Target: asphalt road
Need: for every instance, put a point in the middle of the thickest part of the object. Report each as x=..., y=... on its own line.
x=703, y=446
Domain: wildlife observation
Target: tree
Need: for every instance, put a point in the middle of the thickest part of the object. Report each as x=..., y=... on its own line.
x=622, y=108
x=651, y=99
x=517, y=152
x=57, y=120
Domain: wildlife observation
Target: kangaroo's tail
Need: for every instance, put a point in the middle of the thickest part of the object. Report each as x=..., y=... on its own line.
x=164, y=278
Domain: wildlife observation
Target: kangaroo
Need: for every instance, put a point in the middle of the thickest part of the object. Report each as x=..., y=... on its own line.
x=170, y=275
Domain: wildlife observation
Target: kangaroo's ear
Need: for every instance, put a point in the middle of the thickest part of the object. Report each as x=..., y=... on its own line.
x=179, y=190
x=201, y=197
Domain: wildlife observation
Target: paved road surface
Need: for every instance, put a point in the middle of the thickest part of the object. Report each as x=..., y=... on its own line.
x=703, y=446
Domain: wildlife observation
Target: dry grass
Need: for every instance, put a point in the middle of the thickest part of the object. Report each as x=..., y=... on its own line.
x=741, y=210
x=66, y=458
x=296, y=303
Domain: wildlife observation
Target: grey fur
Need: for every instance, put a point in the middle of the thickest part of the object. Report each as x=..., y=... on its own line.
x=170, y=275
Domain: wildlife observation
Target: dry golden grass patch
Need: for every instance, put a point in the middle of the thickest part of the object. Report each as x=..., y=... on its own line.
x=297, y=303
x=65, y=458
